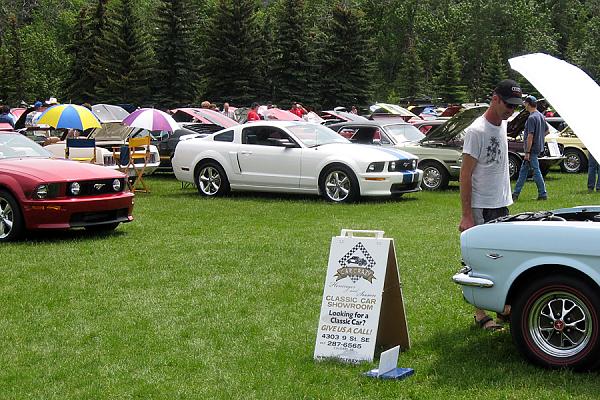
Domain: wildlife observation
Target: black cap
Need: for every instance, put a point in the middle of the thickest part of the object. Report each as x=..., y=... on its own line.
x=509, y=91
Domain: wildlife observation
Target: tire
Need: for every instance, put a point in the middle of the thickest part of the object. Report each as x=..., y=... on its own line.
x=12, y=226
x=338, y=184
x=514, y=165
x=211, y=180
x=574, y=162
x=544, y=170
x=435, y=175
x=103, y=227
x=550, y=338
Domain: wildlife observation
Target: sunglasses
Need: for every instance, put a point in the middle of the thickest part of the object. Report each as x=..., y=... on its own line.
x=508, y=105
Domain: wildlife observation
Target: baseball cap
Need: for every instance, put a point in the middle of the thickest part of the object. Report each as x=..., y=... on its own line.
x=531, y=100
x=509, y=91
x=37, y=104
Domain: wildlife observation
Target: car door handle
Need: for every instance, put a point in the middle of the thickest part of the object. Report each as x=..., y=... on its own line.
x=247, y=153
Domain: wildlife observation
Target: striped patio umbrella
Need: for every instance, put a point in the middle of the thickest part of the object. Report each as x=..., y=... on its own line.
x=151, y=119
x=69, y=116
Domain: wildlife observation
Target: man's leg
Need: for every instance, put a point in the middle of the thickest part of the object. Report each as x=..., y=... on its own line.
x=592, y=170
x=537, y=176
x=522, y=178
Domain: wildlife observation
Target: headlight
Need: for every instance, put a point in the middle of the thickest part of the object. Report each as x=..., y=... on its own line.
x=116, y=184
x=75, y=188
x=414, y=164
x=375, y=167
x=41, y=192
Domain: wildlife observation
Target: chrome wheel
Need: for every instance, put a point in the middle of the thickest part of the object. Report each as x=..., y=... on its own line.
x=209, y=180
x=432, y=177
x=560, y=324
x=572, y=162
x=337, y=185
x=7, y=218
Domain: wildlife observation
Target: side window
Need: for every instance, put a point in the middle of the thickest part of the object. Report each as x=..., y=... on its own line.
x=364, y=135
x=266, y=136
x=347, y=132
x=224, y=137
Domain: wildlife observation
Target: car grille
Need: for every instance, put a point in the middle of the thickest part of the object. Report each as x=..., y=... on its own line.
x=404, y=187
x=402, y=165
x=99, y=217
x=93, y=188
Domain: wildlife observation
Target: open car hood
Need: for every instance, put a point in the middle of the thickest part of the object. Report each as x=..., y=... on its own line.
x=566, y=87
x=516, y=125
x=455, y=125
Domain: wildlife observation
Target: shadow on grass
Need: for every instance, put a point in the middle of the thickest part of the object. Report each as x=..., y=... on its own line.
x=475, y=357
x=262, y=196
x=52, y=236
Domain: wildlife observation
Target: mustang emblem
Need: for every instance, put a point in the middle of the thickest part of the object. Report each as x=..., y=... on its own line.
x=99, y=186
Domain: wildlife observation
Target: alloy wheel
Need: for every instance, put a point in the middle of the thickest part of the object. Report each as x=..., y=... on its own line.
x=6, y=218
x=210, y=180
x=337, y=185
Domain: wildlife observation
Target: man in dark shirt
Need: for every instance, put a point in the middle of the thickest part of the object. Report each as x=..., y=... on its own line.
x=6, y=117
x=533, y=141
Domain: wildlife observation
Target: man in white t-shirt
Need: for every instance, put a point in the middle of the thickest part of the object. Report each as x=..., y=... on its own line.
x=485, y=191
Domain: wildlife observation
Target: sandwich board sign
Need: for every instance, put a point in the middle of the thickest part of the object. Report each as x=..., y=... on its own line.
x=362, y=307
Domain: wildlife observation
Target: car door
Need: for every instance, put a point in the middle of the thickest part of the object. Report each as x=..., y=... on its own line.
x=269, y=157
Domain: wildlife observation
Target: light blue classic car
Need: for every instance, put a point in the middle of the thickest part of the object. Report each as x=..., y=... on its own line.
x=546, y=266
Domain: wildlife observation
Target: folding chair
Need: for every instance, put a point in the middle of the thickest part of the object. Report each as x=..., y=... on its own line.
x=76, y=143
x=138, y=149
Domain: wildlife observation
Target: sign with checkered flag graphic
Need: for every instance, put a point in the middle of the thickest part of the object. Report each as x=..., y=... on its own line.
x=362, y=311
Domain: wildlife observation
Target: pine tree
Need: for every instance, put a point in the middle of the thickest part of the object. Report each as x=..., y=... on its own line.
x=495, y=69
x=290, y=64
x=346, y=67
x=14, y=74
x=176, y=73
x=126, y=58
x=450, y=88
x=410, y=77
x=233, y=54
x=84, y=73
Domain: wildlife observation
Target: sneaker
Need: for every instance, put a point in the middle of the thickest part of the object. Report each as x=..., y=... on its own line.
x=515, y=197
x=590, y=190
x=542, y=197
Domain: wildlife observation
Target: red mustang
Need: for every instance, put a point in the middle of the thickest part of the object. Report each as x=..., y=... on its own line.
x=39, y=192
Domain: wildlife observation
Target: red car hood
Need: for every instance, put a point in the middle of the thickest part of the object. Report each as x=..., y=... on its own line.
x=55, y=170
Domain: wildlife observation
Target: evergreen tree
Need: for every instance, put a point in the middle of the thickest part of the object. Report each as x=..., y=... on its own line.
x=450, y=88
x=495, y=69
x=410, y=77
x=345, y=61
x=126, y=58
x=84, y=74
x=233, y=54
x=290, y=64
x=176, y=74
x=14, y=74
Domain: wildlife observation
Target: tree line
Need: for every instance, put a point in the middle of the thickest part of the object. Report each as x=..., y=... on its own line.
x=169, y=53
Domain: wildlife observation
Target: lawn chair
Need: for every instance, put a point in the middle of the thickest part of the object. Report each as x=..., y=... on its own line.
x=137, y=149
x=76, y=143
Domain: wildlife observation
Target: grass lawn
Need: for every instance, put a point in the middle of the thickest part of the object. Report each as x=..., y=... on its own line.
x=220, y=298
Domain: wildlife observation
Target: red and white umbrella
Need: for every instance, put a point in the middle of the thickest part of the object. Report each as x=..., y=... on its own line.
x=151, y=119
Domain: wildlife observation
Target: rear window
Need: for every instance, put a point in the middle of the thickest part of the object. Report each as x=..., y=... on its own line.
x=224, y=137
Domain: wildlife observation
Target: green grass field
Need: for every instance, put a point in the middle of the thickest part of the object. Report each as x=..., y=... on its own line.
x=220, y=298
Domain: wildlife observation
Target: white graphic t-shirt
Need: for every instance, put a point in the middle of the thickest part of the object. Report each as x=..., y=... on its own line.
x=487, y=143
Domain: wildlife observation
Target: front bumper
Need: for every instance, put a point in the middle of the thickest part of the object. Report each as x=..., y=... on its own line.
x=78, y=211
x=464, y=278
x=386, y=184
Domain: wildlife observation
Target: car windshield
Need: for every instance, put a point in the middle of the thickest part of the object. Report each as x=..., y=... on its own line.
x=404, y=133
x=316, y=135
x=18, y=146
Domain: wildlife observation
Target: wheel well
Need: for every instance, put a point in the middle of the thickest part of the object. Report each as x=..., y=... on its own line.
x=432, y=161
x=7, y=189
x=545, y=270
x=332, y=165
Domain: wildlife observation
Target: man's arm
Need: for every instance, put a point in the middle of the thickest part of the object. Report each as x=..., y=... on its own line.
x=529, y=146
x=466, y=191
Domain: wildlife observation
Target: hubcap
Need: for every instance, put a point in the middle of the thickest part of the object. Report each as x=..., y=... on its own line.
x=6, y=218
x=572, y=162
x=512, y=168
x=337, y=186
x=210, y=181
x=432, y=177
x=560, y=324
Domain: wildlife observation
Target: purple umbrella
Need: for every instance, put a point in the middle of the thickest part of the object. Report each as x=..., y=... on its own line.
x=151, y=119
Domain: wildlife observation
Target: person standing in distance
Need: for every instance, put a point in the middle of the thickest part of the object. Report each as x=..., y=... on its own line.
x=536, y=129
x=484, y=178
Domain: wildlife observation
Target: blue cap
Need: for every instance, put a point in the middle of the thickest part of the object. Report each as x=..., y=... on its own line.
x=37, y=104
x=531, y=100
